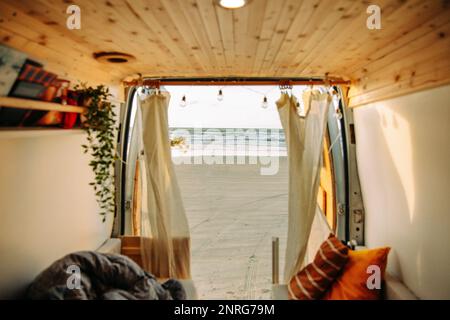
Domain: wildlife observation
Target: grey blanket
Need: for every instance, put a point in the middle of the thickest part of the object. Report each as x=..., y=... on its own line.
x=101, y=276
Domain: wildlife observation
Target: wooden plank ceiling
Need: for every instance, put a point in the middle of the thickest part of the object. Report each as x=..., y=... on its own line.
x=285, y=38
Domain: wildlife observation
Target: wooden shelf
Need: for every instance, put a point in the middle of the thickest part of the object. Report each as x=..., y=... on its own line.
x=28, y=104
x=9, y=133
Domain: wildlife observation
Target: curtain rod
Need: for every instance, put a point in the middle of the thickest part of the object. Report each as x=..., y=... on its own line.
x=157, y=82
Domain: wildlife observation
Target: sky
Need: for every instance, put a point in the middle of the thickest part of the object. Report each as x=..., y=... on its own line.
x=241, y=106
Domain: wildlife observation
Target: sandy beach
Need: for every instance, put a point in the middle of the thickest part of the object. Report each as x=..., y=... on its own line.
x=233, y=213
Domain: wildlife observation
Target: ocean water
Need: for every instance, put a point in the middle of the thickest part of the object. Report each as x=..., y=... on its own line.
x=252, y=142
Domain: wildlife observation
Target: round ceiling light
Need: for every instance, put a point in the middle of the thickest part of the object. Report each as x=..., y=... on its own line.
x=232, y=4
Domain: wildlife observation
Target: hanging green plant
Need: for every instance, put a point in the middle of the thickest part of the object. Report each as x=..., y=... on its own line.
x=99, y=124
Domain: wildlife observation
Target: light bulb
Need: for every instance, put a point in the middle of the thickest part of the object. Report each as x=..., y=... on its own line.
x=220, y=95
x=265, y=104
x=183, y=102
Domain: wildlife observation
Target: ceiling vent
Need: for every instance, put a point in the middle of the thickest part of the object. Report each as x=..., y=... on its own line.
x=113, y=57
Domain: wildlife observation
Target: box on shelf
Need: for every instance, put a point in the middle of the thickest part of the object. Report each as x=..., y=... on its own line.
x=24, y=78
x=32, y=81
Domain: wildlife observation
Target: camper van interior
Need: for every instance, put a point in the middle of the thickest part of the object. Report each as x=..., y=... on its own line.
x=225, y=149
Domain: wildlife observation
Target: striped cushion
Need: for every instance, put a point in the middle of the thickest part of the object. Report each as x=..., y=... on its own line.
x=314, y=279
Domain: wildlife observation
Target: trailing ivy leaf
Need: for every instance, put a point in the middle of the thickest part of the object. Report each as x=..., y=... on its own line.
x=100, y=129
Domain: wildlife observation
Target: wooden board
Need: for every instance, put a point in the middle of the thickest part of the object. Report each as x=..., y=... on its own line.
x=131, y=247
x=38, y=105
x=283, y=38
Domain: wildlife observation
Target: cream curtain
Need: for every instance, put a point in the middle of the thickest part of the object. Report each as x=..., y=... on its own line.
x=165, y=240
x=320, y=230
x=304, y=138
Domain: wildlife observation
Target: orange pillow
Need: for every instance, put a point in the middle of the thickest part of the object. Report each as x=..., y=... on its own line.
x=352, y=283
x=314, y=279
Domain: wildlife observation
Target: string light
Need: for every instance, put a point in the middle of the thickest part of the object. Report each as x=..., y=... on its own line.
x=183, y=102
x=220, y=95
x=265, y=104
